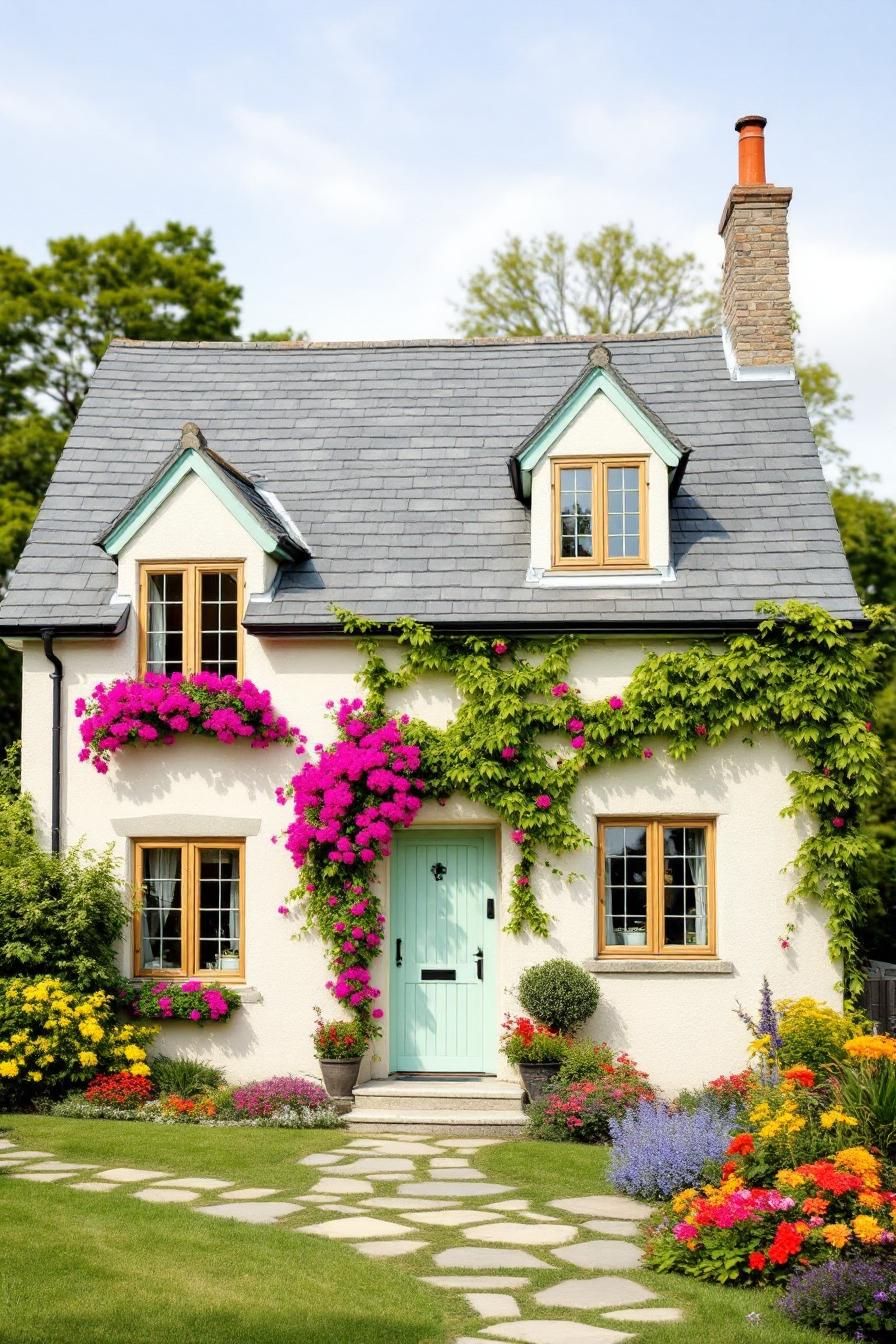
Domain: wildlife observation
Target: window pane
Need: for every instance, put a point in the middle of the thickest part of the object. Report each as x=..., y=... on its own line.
x=625, y=885
x=576, y=509
x=623, y=513
x=685, y=889
x=164, y=623
x=219, y=622
x=160, y=915
x=219, y=907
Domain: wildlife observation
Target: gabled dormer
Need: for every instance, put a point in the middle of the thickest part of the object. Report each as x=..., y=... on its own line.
x=598, y=475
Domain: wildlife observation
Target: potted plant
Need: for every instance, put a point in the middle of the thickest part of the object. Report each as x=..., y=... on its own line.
x=634, y=935
x=339, y=1047
x=537, y=1052
x=229, y=959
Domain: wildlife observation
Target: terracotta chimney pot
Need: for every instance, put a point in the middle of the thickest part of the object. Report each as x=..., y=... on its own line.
x=751, y=151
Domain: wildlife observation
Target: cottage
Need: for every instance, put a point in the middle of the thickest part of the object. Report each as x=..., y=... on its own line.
x=217, y=503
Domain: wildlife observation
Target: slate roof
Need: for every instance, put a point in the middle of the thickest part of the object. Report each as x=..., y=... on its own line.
x=392, y=459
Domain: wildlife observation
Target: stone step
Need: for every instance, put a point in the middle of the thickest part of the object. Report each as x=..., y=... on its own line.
x=448, y=1123
x=405, y=1097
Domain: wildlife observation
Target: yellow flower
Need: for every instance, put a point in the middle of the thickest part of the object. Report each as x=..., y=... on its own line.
x=791, y=1179
x=133, y=1052
x=836, y=1234
x=870, y=1199
x=871, y=1047
x=866, y=1228
x=139, y=1070
x=19, y=1037
x=836, y=1117
x=857, y=1160
x=683, y=1199
x=8, y=1068
x=761, y=1112
x=87, y=1058
x=90, y=1029
x=35, y=1075
x=760, y=1046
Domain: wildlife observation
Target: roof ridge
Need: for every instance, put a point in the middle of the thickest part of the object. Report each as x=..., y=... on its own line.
x=586, y=338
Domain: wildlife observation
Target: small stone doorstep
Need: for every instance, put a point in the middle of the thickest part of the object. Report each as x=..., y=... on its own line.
x=436, y=1188
x=487, y=1257
x=250, y=1213
x=193, y=1183
x=554, y=1332
x=603, y=1206
x=661, y=966
x=348, y=1229
x=526, y=1234
x=382, y=1249
x=657, y=1314
x=493, y=1304
x=605, y=1290
x=452, y=1217
x=476, y=1281
x=158, y=1195
x=249, y=1192
x=602, y=1255
x=126, y=1174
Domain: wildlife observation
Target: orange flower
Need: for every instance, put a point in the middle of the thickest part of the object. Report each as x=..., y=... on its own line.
x=741, y=1145
x=836, y=1235
x=815, y=1206
x=800, y=1075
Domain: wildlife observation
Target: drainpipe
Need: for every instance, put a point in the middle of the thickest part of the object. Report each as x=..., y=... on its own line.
x=56, y=678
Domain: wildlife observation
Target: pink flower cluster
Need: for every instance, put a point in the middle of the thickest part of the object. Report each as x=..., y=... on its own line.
x=157, y=708
x=353, y=985
x=168, y=1002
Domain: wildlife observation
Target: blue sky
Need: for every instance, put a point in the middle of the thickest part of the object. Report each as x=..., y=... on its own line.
x=355, y=161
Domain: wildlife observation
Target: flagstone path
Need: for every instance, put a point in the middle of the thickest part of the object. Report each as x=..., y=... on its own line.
x=430, y=1188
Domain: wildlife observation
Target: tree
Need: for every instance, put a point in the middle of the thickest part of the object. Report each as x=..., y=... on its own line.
x=286, y=334
x=56, y=320
x=609, y=282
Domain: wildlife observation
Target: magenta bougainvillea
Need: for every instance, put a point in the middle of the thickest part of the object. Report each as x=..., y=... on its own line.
x=347, y=804
x=157, y=708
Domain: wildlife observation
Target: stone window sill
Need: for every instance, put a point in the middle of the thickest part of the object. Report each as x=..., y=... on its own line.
x=247, y=993
x=658, y=966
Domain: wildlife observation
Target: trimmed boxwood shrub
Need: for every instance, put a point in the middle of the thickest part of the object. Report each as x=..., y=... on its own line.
x=559, y=994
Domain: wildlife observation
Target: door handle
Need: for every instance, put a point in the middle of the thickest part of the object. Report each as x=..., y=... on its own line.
x=479, y=961
x=397, y=951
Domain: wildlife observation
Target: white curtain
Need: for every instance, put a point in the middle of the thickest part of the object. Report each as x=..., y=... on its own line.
x=230, y=887
x=155, y=653
x=696, y=876
x=161, y=870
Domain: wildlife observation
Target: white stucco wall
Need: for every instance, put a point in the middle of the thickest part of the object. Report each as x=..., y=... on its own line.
x=600, y=430
x=680, y=1027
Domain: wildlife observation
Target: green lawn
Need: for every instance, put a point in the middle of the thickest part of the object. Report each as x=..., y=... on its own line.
x=80, y=1268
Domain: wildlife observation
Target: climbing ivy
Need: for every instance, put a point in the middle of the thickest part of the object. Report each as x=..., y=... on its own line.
x=523, y=736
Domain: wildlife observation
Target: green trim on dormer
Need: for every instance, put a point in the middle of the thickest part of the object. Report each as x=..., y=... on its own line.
x=596, y=382
x=190, y=460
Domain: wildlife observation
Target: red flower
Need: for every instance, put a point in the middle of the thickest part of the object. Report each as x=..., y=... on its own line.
x=787, y=1242
x=499, y=647
x=700, y=730
x=838, y=823
x=728, y=1169
x=800, y=1075
x=756, y=1260
x=741, y=1145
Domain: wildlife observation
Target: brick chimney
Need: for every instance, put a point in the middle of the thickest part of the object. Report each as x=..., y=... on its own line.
x=756, y=311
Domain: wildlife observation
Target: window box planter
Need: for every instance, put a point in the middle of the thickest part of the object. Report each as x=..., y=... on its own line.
x=229, y=961
x=340, y=1076
x=632, y=937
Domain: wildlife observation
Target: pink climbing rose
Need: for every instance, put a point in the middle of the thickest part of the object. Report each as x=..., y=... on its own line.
x=517, y=836
x=508, y=753
x=616, y=702
x=560, y=689
x=543, y=801
x=499, y=647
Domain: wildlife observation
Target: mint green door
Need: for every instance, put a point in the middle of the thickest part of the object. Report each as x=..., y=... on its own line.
x=442, y=922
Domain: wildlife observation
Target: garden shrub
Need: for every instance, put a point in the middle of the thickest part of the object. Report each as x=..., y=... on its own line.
x=524, y=1042
x=856, y=1297
x=585, y=1060
x=731, y=1090
x=261, y=1100
x=60, y=915
x=213, y=1111
x=184, y=1076
x=813, y=1033
x=658, y=1150
x=581, y=1111
x=118, y=1089
x=559, y=994
x=53, y=1038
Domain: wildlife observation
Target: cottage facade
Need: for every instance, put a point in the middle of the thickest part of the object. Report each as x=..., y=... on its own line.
x=215, y=502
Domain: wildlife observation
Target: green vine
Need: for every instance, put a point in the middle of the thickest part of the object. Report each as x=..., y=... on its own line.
x=801, y=675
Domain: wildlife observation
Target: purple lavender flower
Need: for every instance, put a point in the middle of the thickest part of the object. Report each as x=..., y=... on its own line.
x=657, y=1151
x=826, y=1296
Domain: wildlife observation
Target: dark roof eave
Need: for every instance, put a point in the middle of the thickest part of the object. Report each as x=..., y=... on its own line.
x=673, y=629
x=61, y=630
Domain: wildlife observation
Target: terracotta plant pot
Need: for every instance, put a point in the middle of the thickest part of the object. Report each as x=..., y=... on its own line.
x=340, y=1075
x=538, y=1078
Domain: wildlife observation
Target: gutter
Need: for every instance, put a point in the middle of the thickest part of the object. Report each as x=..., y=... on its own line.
x=55, y=767
x=308, y=630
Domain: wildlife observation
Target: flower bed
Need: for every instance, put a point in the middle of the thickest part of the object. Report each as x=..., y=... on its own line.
x=191, y=1001
x=658, y=1150
x=157, y=708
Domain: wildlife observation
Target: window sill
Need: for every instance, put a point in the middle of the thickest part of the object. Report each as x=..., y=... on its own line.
x=599, y=578
x=246, y=993
x=658, y=966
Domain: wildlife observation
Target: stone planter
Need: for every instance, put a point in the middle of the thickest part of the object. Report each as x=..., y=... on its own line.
x=340, y=1076
x=537, y=1079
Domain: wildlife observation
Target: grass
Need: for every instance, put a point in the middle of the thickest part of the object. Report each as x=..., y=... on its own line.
x=80, y=1268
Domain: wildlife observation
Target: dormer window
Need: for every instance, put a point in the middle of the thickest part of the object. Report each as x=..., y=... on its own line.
x=191, y=618
x=599, y=512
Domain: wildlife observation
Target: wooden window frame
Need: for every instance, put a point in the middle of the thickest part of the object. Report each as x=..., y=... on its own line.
x=599, y=466
x=192, y=571
x=654, y=827
x=190, y=850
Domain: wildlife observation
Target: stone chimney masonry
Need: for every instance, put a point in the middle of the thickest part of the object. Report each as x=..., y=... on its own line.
x=756, y=311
